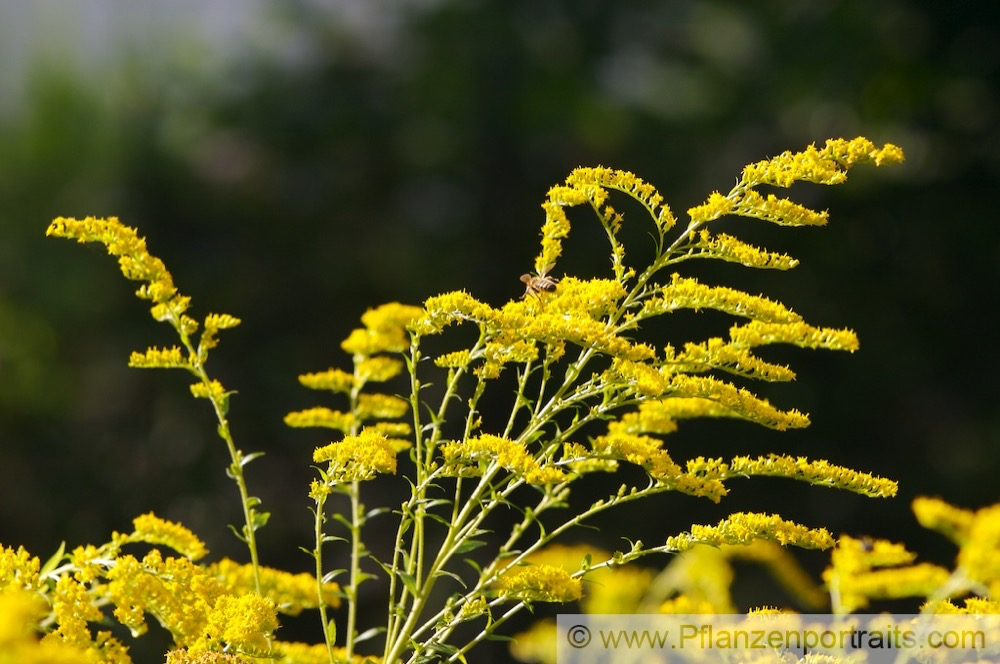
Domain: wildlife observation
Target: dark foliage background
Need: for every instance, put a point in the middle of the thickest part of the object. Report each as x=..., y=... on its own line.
x=389, y=151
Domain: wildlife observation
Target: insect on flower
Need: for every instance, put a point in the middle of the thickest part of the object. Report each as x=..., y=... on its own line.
x=535, y=284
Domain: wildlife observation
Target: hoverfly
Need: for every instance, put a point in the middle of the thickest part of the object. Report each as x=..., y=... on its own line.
x=535, y=284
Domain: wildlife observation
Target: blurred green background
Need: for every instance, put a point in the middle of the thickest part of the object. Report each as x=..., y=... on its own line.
x=295, y=163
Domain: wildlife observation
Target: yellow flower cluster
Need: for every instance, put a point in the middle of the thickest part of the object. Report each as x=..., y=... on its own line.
x=757, y=333
x=334, y=380
x=731, y=358
x=727, y=248
x=321, y=416
x=308, y=653
x=213, y=390
x=979, y=556
x=358, y=457
x=864, y=569
x=18, y=568
x=745, y=527
x=384, y=330
x=20, y=613
x=290, y=593
x=508, y=454
x=739, y=401
x=539, y=583
x=688, y=293
x=819, y=472
x=157, y=358
x=380, y=406
x=827, y=165
x=781, y=211
x=151, y=529
x=952, y=522
x=134, y=259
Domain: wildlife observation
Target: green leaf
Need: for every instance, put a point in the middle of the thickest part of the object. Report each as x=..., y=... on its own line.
x=443, y=572
x=239, y=535
x=260, y=519
x=331, y=631
x=54, y=561
x=469, y=545
x=409, y=581
x=474, y=565
x=368, y=634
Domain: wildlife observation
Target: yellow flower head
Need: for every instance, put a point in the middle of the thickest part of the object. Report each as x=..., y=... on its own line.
x=508, y=454
x=18, y=568
x=358, y=457
x=745, y=527
x=539, y=583
x=290, y=593
x=335, y=380
x=152, y=529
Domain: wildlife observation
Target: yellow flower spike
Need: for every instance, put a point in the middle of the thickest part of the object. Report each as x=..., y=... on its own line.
x=828, y=165
x=643, y=451
x=334, y=380
x=727, y=248
x=920, y=580
x=455, y=360
x=740, y=402
x=952, y=522
x=717, y=354
x=365, y=342
x=358, y=457
x=320, y=417
x=157, y=358
x=803, y=335
x=184, y=656
x=716, y=206
x=781, y=211
x=214, y=323
x=687, y=293
x=381, y=406
x=391, y=317
x=594, y=298
x=124, y=243
x=152, y=529
x=978, y=555
x=643, y=378
x=74, y=607
x=539, y=583
x=508, y=454
x=818, y=472
x=745, y=527
x=212, y=390
x=88, y=563
x=18, y=568
x=243, y=624
x=379, y=369
x=581, y=461
x=628, y=183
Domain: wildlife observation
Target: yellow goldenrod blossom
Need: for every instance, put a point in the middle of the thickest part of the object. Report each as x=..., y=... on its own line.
x=152, y=529
x=919, y=580
x=687, y=293
x=391, y=316
x=779, y=211
x=828, y=165
x=380, y=406
x=745, y=527
x=18, y=568
x=334, y=380
x=659, y=415
x=628, y=183
x=973, y=606
x=952, y=522
x=685, y=605
x=211, y=390
x=727, y=248
x=358, y=457
x=308, y=653
x=454, y=360
x=643, y=451
x=978, y=556
x=716, y=206
x=88, y=562
x=817, y=471
x=378, y=369
x=20, y=613
x=242, y=624
x=184, y=656
x=73, y=607
x=594, y=298
x=177, y=592
x=717, y=354
x=536, y=645
x=539, y=583
x=364, y=342
x=580, y=460
x=853, y=558
x=157, y=358
x=321, y=417
x=645, y=379
x=741, y=402
x=291, y=593
x=214, y=323
x=134, y=259
x=803, y=335
x=507, y=453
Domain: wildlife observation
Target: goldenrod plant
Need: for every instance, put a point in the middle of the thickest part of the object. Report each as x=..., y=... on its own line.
x=591, y=392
